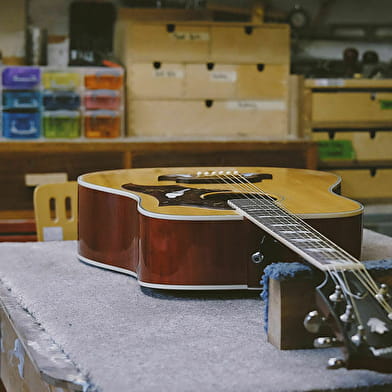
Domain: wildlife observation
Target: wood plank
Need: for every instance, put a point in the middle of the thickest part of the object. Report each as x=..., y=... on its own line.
x=289, y=302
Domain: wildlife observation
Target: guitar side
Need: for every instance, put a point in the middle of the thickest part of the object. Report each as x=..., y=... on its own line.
x=190, y=247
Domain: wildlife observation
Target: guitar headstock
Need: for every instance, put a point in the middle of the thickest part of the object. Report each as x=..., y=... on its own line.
x=360, y=314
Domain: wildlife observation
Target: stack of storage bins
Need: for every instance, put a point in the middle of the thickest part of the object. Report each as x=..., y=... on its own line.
x=103, y=103
x=205, y=78
x=61, y=103
x=21, y=102
x=73, y=102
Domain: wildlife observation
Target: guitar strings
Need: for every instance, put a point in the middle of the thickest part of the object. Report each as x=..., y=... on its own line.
x=244, y=183
x=366, y=279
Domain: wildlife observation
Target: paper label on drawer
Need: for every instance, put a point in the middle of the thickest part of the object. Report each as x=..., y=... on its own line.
x=223, y=76
x=255, y=105
x=168, y=73
x=336, y=149
x=329, y=82
x=385, y=104
x=191, y=36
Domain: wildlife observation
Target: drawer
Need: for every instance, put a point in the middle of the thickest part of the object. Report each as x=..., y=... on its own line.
x=102, y=124
x=156, y=80
x=365, y=146
x=210, y=80
x=57, y=100
x=263, y=81
x=21, y=125
x=167, y=42
x=208, y=118
x=61, y=124
x=102, y=99
x=360, y=184
x=110, y=79
x=250, y=43
x=57, y=80
x=207, y=81
x=21, y=77
x=20, y=99
x=351, y=107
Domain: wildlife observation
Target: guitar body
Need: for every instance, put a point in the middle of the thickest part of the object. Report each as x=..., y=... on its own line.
x=176, y=232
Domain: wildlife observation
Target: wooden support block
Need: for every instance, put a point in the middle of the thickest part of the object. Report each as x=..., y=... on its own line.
x=289, y=301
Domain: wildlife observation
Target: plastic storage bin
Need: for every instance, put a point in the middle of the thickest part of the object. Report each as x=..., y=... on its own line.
x=110, y=79
x=61, y=124
x=24, y=78
x=102, y=99
x=21, y=125
x=58, y=100
x=57, y=80
x=102, y=124
x=20, y=99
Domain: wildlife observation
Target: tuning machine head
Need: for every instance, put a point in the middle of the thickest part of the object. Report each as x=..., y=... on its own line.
x=326, y=342
x=314, y=321
x=336, y=363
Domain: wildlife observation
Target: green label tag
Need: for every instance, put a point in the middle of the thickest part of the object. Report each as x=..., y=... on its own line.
x=336, y=149
x=385, y=104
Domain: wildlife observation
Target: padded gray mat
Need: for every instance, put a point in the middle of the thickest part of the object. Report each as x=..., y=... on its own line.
x=128, y=339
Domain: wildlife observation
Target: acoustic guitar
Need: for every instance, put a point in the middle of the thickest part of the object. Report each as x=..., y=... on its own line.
x=193, y=228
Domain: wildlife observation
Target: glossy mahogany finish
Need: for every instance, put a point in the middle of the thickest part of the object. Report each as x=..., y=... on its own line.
x=108, y=228
x=187, y=252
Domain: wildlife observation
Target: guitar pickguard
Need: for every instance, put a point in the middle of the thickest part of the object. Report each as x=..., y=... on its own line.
x=177, y=195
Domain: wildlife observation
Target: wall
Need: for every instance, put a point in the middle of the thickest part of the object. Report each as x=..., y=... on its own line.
x=53, y=15
x=12, y=22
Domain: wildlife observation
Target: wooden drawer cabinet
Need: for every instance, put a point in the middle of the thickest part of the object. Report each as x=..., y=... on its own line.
x=349, y=107
x=266, y=43
x=249, y=118
x=367, y=146
x=364, y=185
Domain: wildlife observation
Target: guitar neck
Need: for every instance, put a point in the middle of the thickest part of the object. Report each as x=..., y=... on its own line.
x=294, y=233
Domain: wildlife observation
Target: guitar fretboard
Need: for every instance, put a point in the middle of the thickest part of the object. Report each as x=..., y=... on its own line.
x=293, y=232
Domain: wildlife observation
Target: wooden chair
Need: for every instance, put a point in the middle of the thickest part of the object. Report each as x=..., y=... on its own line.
x=56, y=211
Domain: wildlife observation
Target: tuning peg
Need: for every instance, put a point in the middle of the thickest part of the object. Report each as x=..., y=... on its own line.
x=348, y=315
x=383, y=294
x=359, y=337
x=336, y=363
x=313, y=321
x=337, y=295
x=326, y=342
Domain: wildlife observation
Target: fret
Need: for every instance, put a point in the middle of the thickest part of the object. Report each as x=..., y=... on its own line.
x=320, y=250
x=306, y=240
x=286, y=224
x=300, y=237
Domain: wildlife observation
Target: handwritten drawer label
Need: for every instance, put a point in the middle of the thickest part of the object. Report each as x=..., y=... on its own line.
x=329, y=82
x=168, y=73
x=223, y=76
x=255, y=105
x=191, y=36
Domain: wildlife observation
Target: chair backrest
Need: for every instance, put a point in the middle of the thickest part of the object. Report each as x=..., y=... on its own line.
x=56, y=211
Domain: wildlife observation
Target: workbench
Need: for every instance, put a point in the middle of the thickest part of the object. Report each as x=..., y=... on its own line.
x=68, y=326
